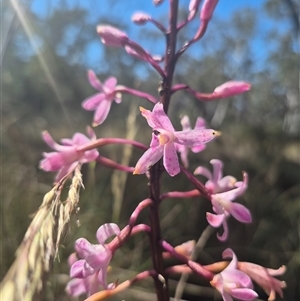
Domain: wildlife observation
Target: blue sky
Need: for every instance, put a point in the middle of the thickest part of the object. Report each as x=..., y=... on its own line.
x=122, y=10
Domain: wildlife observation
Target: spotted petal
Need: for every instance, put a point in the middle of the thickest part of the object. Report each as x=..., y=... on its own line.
x=148, y=159
x=192, y=138
x=171, y=160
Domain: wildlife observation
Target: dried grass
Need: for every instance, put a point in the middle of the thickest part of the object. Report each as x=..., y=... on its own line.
x=35, y=255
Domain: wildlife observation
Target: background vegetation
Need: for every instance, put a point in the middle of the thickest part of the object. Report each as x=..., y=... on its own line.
x=44, y=82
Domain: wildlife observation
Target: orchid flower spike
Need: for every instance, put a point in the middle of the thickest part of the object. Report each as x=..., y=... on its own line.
x=164, y=138
x=216, y=182
x=101, y=102
x=233, y=283
x=66, y=157
x=224, y=207
x=93, y=263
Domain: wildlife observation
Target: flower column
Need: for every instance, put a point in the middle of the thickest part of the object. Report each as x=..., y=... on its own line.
x=161, y=284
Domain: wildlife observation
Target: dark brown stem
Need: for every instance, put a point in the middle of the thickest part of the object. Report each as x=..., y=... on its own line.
x=161, y=283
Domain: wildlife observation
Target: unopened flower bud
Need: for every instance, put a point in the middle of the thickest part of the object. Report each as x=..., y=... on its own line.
x=140, y=18
x=112, y=36
x=208, y=9
x=157, y=2
x=231, y=88
x=194, y=4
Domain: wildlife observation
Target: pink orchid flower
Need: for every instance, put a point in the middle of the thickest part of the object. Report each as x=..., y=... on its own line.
x=182, y=149
x=93, y=265
x=163, y=141
x=66, y=157
x=216, y=182
x=224, y=207
x=264, y=278
x=101, y=102
x=233, y=283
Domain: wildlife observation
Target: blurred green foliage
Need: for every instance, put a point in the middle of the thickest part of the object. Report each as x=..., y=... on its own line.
x=260, y=135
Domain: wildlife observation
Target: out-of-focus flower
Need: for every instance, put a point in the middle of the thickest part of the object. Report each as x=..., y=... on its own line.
x=66, y=157
x=101, y=102
x=182, y=149
x=140, y=18
x=164, y=138
x=193, y=8
x=231, y=88
x=233, y=283
x=157, y=2
x=216, y=182
x=264, y=278
x=186, y=249
x=224, y=207
x=112, y=36
x=208, y=9
x=91, y=269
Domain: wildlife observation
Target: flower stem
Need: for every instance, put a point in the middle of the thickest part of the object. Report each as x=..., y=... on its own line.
x=162, y=291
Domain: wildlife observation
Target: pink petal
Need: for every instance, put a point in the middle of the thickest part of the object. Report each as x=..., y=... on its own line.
x=243, y=294
x=198, y=148
x=102, y=275
x=99, y=258
x=76, y=270
x=241, y=279
x=226, y=183
x=106, y=231
x=72, y=258
x=66, y=141
x=157, y=119
x=101, y=112
x=91, y=103
x=83, y=247
x=94, y=81
x=226, y=297
x=234, y=193
x=183, y=154
x=240, y=212
x=224, y=236
x=55, y=161
x=49, y=140
x=89, y=156
x=91, y=133
x=228, y=253
x=192, y=138
x=217, y=169
x=80, y=139
x=118, y=96
x=203, y=172
x=215, y=220
x=208, y=9
x=200, y=124
x=162, y=118
x=76, y=287
x=148, y=159
x=154, y=141
x=65, y=170
x=170, y=159
x=185, y=123
x=109, y=85
x=232, y=88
